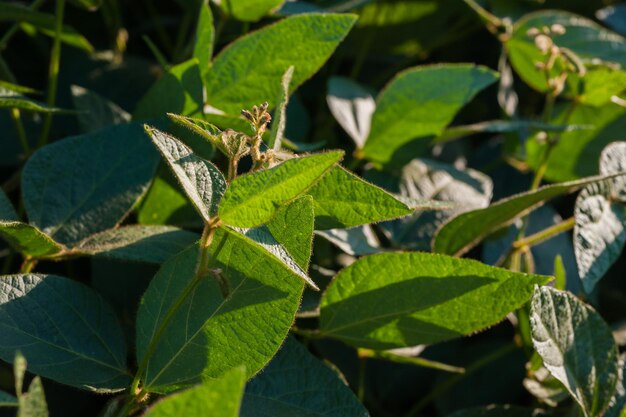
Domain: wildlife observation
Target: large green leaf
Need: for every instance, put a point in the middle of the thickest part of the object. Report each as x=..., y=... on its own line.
x=28, y=240
x=392, y=300
x=467, y=230
x=253, y=199
x=152, y=244
x=249, y=71
x=10, y=12
x=86, y=184
x=600, y=231
x=219, y=397
x=417, y=105
x=179, y=90
x=202, y=181
x=344, y=200
x=65, y=329
x=96, y=112
x=250, y=10
x=584, y=37
x=576, y=346
x=577, y=152
x=7, y=212
x=205, y=38
x=296, y=383
x=185, y=338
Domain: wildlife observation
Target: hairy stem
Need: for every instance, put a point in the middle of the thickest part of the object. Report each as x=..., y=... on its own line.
x=410, y=360
x=21, y=133
x=545, y=234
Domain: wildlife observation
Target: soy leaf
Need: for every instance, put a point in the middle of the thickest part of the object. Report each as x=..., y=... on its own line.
x=250, y=10
x=203, y=183
x=467, y=230
x=151, y=244
x=28, y=240
x=352, y=106
x=601, y=84
x=280, y=117
x=179, y=91
x=354, y=241
x=420, y=298
x=344, y=200
x=33, y=403
x=7, y=400
x=219, y=397
x=205, y=38
x=576, y=346
x=297, y=383
x=617, y=408
x=585, y=38
x=27, y=104
x=189, y=328
x=85, y=184
x=253, y=199
x=614, y=17
x=96, y=112
x=54, y=321
x=7, y=212
x=417, y=105
x=304, y=41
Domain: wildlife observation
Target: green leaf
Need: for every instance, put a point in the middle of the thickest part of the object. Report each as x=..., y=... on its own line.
x=7, y=212
x=343, y=200
x=576, y=346
x=585, y=38
x=417, y=105
x=392, y=300
x=280, y=116
x=7, y=400
x=202, y=181
x=20, y=89
x=600, y=84
x=33, y=403
x=253, y=199
x=467, y=230
x=249, y=71
x=29, y=240
x=179, y=91
x=219, y=397
x=151, y=244
x=65, y=329
x=617, y=408
x=352, y=106
x=425, y=179
x=12, y=100
x=250, y=10
x=498, y=411
x=96, y=112
x=85, y=184
x=205, y=38
x=183, y=339
x=10, y=12
x=289, y=236
x=576, y=153
x=295, y=383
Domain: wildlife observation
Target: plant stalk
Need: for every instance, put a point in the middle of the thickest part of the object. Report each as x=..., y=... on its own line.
x=21, y=133
x=545, y=234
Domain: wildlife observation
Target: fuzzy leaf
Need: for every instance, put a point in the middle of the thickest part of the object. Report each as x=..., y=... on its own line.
x=258, y=296
x=7, y=212
x=96, y=112
x=420, y=298
x=28, y=240
x=205, y=38
x=417, y=105
x=82, y=185
x=304, y=41
x=250, y=10
x=55, y=322
x=576, y=346
x=253, y=199
x=297, y=383
x=352, y=106
x=280, y=115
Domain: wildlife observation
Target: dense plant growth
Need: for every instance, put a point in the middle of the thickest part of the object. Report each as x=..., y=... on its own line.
x=312, y=208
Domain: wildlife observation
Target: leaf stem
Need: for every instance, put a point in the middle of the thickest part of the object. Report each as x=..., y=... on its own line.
x=455, y=379
x=545, y=234
x=409, y=360
x=21, y=133
x=53, y=72
x=28, y=265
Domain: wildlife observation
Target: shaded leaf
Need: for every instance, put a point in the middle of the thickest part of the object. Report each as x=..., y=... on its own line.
x=12, y=100
x=467, y=230
x=7, y=212
x=202, y=337
x=253, y=199
x=85, y=184
x=152, y=244
x=297, y=383
x=576, y=346
x=304, y=41
x=96, y=112
x=421, y=298
x=355, y=241
x=352, y=106
x=202, y=181
x=219, y=397
x=55, y=322
x=418, y=104
x=7, y=400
